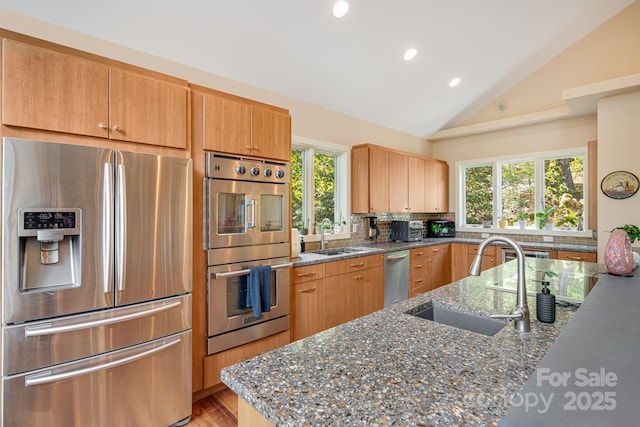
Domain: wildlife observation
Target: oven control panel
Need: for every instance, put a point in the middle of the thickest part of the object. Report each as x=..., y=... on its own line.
x=243, y=169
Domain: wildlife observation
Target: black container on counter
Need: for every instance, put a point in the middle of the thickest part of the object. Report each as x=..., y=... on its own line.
x=546, y=304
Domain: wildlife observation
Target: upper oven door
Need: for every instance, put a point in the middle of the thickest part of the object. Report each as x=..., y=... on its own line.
x=272, y=213
x=229, y=217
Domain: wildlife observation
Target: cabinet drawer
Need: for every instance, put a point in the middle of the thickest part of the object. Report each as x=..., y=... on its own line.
x=419, y=279
x=419, y=253
x=307, y=273
x=577, y=256
x=352, y=264
x=491, y=250
x=439, y=249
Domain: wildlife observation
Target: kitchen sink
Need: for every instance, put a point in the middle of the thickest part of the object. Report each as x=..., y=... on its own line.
x=340, y=251
x=469, y=322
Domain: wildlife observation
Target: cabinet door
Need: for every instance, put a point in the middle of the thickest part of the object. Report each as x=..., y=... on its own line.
x=416, y=185
x=459, y=261
x=43, y=89
x=378, y=181
x=398, y=182
x=270, y=134
x=227, y=125
x=442, y=182
x=370, y=290
x=306, y=309
x=341, y=298
x=148, y=110
x=439, y=266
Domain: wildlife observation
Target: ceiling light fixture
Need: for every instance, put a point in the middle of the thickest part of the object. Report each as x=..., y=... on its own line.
x=340, y=8
x=454, y=82
x=410, y=54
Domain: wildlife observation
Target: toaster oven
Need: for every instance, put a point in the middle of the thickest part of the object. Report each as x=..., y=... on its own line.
x=406, y=231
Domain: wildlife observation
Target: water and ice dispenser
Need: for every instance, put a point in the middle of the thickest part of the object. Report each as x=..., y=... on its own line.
x=49, y=247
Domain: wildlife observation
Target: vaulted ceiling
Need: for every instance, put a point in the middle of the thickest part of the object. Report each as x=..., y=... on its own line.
x=353, y=65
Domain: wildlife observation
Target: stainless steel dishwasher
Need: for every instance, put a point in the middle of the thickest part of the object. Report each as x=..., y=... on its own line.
x=396, y=277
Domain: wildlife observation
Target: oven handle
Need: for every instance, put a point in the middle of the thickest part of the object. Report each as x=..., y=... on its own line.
x=246, y=271
x=252, y=224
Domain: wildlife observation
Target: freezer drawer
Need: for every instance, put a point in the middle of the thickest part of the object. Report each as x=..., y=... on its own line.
x=143, y=385
x=34, y=345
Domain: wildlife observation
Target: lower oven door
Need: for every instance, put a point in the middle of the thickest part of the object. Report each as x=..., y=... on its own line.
x=230, y=322
x=111, y=389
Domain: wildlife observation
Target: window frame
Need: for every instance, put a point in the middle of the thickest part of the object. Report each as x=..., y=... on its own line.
x=539, y=159
x=342, y=187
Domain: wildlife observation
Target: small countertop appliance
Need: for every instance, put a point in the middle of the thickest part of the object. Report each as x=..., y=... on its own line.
x=441, y=228
x=406, y=231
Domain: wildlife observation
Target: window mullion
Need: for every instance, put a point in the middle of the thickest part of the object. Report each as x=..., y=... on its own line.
x=308, y=186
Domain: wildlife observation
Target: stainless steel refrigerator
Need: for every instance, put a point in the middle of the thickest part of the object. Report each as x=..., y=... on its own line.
x=96, y=286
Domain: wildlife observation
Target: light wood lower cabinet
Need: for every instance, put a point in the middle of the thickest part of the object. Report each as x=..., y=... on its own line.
x=429, y=268
x=343, y=291
x=418, y=272
x=577, y=256
x=214, y=363
x=462, y=255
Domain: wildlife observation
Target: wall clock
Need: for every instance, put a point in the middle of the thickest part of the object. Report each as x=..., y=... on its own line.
x=619, y=185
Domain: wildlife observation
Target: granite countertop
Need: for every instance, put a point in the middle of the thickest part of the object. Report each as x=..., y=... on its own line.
x=310, y=258
x=392, y=368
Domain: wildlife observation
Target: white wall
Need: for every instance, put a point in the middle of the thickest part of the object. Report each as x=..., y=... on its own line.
x=550, y=136
x=618, y=150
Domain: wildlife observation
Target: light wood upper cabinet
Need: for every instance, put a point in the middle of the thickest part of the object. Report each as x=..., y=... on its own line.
x=55, y=91
x=436, y=186
x=44, y=89
x=369, y=180
x=235, y=126
x=226, y=125
x=398, y=182
x=385, y=180
x=416, y=185
x=270, y=134
x=147, y=110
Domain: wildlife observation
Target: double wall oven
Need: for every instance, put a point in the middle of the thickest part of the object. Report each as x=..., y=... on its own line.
x=246, y=224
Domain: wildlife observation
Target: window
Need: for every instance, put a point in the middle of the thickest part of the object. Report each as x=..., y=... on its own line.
x=513, y=193
x=318, y=184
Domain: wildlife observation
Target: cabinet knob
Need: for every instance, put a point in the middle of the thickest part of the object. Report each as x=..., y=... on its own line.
x=307, y=291
x=357, y=277
x=576, y=258
x=255, y=147
x=360, y=264
x=103, y=125
x=117, y=128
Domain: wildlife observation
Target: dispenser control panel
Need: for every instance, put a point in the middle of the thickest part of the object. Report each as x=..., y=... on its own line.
x=66, y=220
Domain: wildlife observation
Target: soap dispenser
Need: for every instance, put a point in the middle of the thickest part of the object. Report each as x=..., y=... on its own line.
x=546, y=304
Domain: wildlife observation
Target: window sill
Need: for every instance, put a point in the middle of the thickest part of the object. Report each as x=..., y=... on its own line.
x=529, y=230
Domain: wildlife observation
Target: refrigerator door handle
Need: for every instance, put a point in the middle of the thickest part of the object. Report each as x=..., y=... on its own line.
x=122, y=229
x=47, y=377
x=107, y=227
x=47, y=329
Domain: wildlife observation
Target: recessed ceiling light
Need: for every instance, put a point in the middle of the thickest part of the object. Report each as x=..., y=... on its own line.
x=410, y=54
x=454, y=82
x=340, y=8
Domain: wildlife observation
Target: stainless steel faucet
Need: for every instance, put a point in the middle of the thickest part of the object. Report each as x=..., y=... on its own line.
x=520, y=313
x=322, y=228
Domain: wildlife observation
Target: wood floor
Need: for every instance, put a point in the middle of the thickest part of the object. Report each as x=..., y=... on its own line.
x=218, y=410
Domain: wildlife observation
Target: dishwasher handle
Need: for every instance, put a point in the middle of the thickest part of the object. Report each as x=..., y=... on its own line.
x=396, y=257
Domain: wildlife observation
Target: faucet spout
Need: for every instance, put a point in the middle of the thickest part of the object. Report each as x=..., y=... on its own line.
x=520, y=313
x=322, y=228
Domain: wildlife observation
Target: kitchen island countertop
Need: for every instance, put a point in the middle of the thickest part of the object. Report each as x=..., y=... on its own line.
x=390, y=367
